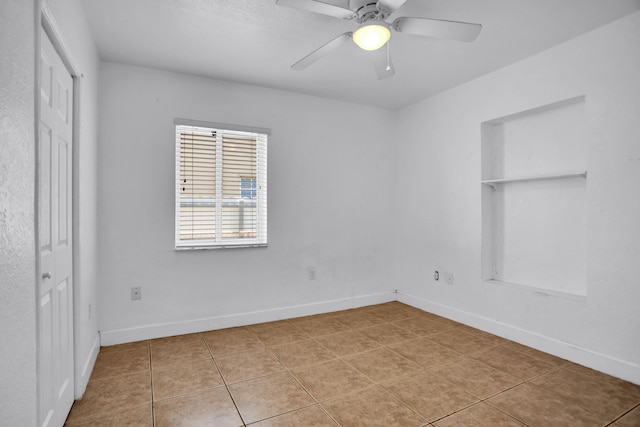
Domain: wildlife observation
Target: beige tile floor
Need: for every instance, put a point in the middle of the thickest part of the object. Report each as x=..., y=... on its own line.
x=385, y=365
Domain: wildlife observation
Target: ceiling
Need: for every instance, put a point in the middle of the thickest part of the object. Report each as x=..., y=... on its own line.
x=256, y=42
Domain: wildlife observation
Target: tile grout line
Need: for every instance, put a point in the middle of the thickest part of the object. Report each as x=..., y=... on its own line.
x=504, y=412
x=224, y=381
x=636, y=406
x=153, y=406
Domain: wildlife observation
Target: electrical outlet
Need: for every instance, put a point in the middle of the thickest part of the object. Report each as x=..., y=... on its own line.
x=450, y=278
x=136, y=293
x=436, y=276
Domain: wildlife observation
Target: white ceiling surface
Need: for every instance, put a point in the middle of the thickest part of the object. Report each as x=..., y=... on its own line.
x=256, y=41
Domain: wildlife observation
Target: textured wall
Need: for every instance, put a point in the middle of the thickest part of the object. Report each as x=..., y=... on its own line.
x=17, y=181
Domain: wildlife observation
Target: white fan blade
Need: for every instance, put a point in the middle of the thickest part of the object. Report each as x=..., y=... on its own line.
x=318, y=7
x=322, y=51
x=382, y=62
x=462, y=31
x=391, y=5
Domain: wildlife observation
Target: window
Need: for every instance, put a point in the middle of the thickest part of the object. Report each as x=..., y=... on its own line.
x=221, y=186
x=248, y=187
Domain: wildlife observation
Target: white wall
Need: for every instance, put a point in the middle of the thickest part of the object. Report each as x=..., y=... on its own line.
x=330, y=176
x=76, y=35
x=17, y=215
x=440, y=155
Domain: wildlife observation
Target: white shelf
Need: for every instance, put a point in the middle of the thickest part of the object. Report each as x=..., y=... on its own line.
x=493, y=182
x=535, y=290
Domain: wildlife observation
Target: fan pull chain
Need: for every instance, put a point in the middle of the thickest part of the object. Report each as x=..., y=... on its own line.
x=388, y=59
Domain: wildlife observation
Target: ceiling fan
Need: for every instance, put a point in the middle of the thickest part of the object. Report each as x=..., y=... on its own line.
x=374, y=31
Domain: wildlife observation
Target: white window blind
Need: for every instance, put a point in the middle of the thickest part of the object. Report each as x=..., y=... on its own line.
x=221, y=187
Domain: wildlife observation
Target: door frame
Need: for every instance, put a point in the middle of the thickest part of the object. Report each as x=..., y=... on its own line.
x=47, y=25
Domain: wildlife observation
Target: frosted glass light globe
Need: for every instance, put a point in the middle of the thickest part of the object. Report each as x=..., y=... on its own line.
x=371, y=36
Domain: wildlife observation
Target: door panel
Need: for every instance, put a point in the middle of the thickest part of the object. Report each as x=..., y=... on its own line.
x=63, y=194
x=46, y=146
x=55, y=355
x=45, y=359
x=64, y=340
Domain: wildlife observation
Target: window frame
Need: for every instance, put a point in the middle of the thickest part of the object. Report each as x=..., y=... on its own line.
x=260, y=199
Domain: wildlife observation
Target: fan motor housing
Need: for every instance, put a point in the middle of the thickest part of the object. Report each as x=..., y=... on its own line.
x=367, y=10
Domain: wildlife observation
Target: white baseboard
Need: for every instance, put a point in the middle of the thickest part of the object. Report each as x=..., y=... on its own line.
x=119, y=336
x=622, y=369
x=90, y=361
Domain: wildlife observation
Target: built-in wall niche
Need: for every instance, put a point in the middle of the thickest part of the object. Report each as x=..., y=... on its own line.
x=534, y=170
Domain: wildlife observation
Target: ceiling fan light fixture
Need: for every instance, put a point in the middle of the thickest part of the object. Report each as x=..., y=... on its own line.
x=371, y=36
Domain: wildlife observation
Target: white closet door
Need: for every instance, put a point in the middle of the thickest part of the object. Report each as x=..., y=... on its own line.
x=55, y=358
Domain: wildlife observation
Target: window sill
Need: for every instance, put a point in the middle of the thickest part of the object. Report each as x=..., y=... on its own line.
x=203, y=247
